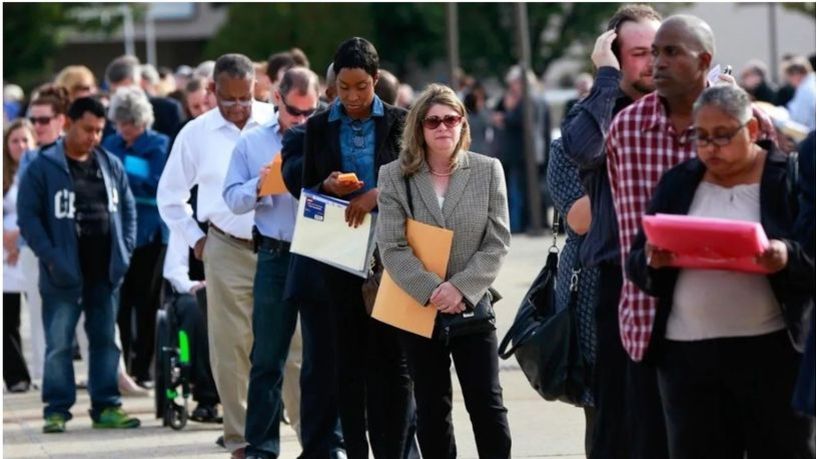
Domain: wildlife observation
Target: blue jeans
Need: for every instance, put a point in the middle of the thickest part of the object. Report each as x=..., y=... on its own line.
x=273, y=323
x=60, y=315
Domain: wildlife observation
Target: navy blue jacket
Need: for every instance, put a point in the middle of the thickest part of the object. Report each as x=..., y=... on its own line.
x=45, y=212
x=144, y=162
x=792, y=286
x=583, y=134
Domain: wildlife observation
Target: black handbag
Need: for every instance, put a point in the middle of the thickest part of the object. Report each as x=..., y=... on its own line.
x=476, y=318
x=545, y=340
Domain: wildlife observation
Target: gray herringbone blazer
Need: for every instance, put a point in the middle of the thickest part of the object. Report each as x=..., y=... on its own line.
x=475, y=208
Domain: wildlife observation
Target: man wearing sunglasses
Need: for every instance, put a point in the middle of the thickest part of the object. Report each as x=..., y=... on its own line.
x=200, y=156
x=274, y=319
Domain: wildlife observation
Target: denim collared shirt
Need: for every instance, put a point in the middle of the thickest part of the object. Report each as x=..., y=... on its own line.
x=583, y=134
x=274, y=215
x=358, y=143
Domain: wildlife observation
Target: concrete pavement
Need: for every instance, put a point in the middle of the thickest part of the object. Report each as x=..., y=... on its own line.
x=540, y=429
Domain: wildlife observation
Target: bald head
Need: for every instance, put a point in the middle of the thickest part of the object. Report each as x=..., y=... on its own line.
x=331, y=81
x=696, y=34
x=682, y=51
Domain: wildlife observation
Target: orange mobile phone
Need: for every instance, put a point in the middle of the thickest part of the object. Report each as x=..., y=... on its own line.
x=347, y=178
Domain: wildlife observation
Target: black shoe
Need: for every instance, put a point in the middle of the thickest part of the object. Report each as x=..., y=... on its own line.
x=19, y=387
x=206, y=413
x=220, y=442
x=144, y=383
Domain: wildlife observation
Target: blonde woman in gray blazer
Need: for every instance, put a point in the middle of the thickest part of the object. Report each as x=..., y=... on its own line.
x=465, y=192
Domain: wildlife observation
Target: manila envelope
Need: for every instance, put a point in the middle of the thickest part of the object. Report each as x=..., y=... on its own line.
x=432, y=245
x=273, y=182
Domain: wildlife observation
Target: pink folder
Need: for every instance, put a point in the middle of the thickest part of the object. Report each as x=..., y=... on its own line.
x=708, y=243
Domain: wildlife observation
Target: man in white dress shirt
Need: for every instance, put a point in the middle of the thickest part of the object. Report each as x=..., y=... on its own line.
x=201, y=156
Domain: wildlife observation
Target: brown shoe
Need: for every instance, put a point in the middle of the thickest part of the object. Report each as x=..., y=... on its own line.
x=239, y=453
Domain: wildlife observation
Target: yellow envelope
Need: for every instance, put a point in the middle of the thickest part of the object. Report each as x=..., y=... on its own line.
x=432, y=245
x=273, y=182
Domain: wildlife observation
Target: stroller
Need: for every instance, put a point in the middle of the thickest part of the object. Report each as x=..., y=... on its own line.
x=172, y=366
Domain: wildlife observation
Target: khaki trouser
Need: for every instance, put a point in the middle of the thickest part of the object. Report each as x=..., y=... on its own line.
x=229, y=268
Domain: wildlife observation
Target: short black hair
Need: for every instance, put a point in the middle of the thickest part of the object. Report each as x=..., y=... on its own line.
x=234, y=65
x=357, y=53
x=79, y=107
x=282, y=60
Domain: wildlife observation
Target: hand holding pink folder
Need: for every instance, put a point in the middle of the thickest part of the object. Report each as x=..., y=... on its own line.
x=708, y=243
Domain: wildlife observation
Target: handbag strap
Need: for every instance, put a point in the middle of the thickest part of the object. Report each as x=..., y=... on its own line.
x=408, y=192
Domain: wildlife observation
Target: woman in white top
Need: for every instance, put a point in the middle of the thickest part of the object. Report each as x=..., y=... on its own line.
x=725, y=359
x=18, y=138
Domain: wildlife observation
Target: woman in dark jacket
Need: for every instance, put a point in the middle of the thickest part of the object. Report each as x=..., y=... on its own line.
x=143, y=152
x=726, y=364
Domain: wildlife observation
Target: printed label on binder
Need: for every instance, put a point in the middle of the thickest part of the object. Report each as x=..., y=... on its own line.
x=314, y=209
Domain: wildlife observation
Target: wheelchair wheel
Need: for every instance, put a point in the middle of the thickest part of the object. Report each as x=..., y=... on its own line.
x=161, y=362
x=176, y=415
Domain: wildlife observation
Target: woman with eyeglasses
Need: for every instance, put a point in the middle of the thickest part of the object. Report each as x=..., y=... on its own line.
x=143, y=152
x=727, y=341
x=465, y=192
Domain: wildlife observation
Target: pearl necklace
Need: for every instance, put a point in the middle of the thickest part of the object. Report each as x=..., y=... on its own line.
x=440, y=174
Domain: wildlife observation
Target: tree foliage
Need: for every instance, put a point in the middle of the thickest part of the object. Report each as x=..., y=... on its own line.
x=260, y=29
x=33, y=33
x=410, y=34
x=806, y=8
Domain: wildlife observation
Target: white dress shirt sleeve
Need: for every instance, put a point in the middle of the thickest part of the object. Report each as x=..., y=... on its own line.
x=241, y=183
x=177, y=264
x=179, y=176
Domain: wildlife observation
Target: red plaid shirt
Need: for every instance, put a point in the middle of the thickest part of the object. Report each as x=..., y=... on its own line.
x=641, y=145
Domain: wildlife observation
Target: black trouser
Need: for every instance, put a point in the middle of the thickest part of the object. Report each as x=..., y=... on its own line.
x=726, y=396
x=321, y=433
x=611, y=438
x=141, y=291
x=477, y=366
x=374, y=388
x=14, y=364
x=628, y=414
x=191, y=318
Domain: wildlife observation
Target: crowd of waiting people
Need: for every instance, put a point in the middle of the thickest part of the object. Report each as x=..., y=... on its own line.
x=150, y=191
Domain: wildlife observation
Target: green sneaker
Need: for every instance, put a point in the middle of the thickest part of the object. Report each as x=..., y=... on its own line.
x=115, y=418
x=54, y=423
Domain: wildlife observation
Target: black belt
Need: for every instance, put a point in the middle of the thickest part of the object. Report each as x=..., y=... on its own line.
x=247, y=243
x=268, y=244
x=273, y=245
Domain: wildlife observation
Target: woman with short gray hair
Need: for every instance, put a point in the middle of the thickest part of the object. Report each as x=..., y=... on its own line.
x=143, y=153
x=726, y=340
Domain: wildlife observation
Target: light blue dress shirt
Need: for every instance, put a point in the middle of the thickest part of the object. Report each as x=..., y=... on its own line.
x=274, y=215
x=358, y=143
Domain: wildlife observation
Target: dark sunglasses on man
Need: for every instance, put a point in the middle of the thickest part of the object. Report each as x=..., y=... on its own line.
x=40, y=119
x=294, y=111
x=450, y=121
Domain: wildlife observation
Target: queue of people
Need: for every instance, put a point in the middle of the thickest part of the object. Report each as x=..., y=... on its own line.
x=685, y=363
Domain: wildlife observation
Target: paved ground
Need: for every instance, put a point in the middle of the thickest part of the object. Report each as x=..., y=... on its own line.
x=540, y=429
